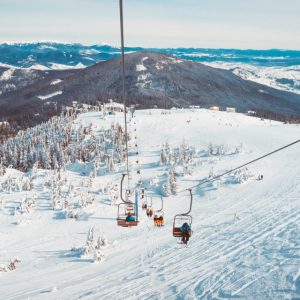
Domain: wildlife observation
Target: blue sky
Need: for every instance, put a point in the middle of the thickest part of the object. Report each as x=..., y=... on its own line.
x=256, y=24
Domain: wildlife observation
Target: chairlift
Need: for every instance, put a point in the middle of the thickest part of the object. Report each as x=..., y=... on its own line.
x=159, y=215
x=147, y=203
x=182, y=224
x=149, y=211
x=126, y=209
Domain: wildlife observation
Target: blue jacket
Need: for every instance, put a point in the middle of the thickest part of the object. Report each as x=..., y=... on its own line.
x=185, y=228
x=130, y=219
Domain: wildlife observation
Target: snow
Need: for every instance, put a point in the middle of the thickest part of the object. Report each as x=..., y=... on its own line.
x=144, y=80
x=270, y=76
x=38, y=67
x=9, y=86
x=140, y=68
x=170, y=60
x=199, y=55
x=159, y=66
x=4, y=123
x=175, y=60
x=89, y=51
x=56, y=81
x=245, y=241
x=48, y=47
x=7, y=66
x=7, y=75
x=50, y=95
x=55, y=66
x=28, y=42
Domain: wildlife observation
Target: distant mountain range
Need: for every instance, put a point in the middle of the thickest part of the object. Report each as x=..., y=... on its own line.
x=152, y=79
x=276, y=68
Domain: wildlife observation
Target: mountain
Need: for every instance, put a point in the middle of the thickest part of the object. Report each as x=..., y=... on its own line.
x=277, y=68
x=12, y=79
x=54, y=54
x=152, y=79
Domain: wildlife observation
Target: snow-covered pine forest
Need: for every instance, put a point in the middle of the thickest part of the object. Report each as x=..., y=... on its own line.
x=60, y=186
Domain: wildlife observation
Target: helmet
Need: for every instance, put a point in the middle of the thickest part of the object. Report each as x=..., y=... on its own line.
x=185, y=224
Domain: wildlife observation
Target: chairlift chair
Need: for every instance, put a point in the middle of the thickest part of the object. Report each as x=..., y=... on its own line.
x=180, y=219
x=126, y=209
x=148, y=206
x=123, y=214
x=158, y=218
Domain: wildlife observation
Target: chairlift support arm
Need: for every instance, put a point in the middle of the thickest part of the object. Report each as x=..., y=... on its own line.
x=121, y=190
x=191, y=203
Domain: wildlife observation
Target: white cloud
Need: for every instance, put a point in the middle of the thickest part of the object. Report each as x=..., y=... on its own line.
x=156, y=23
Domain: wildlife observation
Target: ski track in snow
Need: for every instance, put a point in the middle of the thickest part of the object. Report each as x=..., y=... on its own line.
x=255, y=257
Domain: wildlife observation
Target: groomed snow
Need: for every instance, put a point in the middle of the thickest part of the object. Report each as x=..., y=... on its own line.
x=246, y=237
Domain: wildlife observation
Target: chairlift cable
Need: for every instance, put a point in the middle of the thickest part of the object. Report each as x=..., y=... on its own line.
x=239, y=167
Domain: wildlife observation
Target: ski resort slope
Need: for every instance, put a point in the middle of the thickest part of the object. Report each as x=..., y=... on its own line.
x=246, y=237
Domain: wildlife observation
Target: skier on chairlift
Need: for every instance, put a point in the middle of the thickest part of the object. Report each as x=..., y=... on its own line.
x=186, y=232
x=158, y=220
x=149, y=212
x=130, y=218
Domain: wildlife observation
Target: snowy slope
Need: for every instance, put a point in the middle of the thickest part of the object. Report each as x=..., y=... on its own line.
x=246, y=237
x=278, y=77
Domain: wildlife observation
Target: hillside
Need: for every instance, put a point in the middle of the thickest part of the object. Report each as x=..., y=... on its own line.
x=275, y=68
x=245, y=241
x=152, y=79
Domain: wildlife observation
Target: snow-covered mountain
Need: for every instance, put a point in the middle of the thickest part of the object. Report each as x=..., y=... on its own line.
x=58, y=228
x=277, y=68
x=152, y=79
x=279, y=77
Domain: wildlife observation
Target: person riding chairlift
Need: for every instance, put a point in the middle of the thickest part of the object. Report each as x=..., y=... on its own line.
x=186, y=232
x=149, y=212
x=158, y=221
x=130, y=218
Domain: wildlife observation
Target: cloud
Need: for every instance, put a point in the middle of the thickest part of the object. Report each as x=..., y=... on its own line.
x=157, y=23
